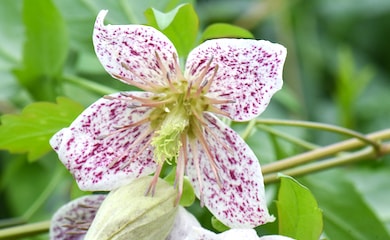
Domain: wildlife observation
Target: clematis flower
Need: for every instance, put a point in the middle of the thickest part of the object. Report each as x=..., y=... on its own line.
x=127, y=135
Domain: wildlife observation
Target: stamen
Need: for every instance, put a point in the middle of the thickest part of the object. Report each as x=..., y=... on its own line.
x=206, y=88
x=136, y=142
x=123, y=128
x=152, y=187
x=134, y=157
x=179, y=74
x=146, y=86
x=218, y=139
x=213, y=109
x=181, y=163
x=199, y=134
x=188, y=93
x=220, y=101
x=195, y=156
x=197, y=116
x=147, y=102
x=203, y=73
x=165, y=72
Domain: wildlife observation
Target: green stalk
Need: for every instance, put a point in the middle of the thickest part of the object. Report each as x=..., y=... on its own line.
x=322, y=126
x=322, y=152
x=248, y=130
x=287, y=137
x=26, y=230
x=45, y=194
x=89, y=85
x=366, y=153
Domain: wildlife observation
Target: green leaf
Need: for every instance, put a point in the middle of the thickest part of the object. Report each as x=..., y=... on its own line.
x=371, y=183
x=298, y=212
x=11, y=34
x=30, y=131
x=180, y=25
x=45, y=49
x=224, y=30
x=346, y=213
x=188, y=195
x=218, y=225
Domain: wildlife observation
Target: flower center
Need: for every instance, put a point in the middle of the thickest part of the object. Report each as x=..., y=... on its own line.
x=181, y=113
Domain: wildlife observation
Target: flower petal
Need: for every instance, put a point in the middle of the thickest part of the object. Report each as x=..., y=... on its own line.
x=249, y=73
x=184, y=222
x=199, y=233
x=100, y=151
x=72, y=220
x=128, y=52
x=240, y=200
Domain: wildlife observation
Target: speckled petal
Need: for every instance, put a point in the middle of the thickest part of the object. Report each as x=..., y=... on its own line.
x=249, y=72
x=240, y=201
x=100, y=152
x=72, y=220
x=134, y=46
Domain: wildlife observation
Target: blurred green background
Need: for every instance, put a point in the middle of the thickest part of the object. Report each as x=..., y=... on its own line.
x=337, y=71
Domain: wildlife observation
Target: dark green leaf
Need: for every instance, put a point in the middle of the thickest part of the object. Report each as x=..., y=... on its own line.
x=180, y=25
x=346, y=213
x=298, y=212
x=30, y=131
x=224, y=30
x=218, y=225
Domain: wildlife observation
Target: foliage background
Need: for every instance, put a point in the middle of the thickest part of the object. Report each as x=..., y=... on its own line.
x=337, y=71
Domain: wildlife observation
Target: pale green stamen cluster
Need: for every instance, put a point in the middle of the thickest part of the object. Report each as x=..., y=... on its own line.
x=174, y=120
x=167, y=142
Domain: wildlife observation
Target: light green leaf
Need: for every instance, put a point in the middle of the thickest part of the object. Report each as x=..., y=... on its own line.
x=45, y=49
x=30, y=131
x=346, y=213
x=298, y=212
x=188, y=195
x=180, y=25
x=224, y=30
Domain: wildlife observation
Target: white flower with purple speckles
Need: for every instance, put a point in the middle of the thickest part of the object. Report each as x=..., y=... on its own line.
x=127, y=135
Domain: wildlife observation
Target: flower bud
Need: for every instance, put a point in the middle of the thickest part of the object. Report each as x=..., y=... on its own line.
x=127, y=213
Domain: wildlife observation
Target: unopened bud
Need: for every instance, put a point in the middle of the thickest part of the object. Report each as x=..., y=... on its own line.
x=127, y=213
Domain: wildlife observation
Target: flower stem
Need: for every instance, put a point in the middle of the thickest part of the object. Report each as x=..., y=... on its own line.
x=287, y=137
x=332, y=149
x=25, y=230
x=248, y=129
x=322, y=126
x=45, y=194
x=89, y=85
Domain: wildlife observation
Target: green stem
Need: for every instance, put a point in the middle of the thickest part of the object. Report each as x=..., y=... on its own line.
x=364, y=154
x=322, y=126
x=322, y=152
x=248, y=129
x=288, y=137
x=25, y=230
x=89, y=85
x=44, y=195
